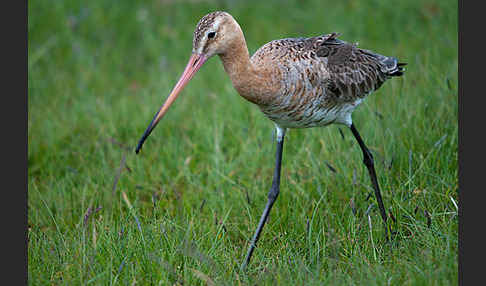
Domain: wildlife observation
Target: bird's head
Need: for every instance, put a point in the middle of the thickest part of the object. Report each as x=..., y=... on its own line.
x=215, y=34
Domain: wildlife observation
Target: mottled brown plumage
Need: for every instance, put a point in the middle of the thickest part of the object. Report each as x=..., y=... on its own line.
x=296, y=82
x=321, y=79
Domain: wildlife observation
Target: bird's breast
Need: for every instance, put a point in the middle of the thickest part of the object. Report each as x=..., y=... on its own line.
x=304, y=100
x=310, y=110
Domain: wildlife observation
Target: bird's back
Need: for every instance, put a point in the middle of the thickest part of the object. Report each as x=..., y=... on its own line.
x=321, y=79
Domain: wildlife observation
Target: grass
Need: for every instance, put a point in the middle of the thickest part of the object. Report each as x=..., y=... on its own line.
x=184, y=210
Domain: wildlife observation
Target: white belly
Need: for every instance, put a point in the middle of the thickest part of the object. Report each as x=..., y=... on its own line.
x=314, y=115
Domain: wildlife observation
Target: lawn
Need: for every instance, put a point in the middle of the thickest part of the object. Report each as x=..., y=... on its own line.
x=182, y=211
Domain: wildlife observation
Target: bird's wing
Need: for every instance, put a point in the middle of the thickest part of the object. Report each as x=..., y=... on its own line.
x=353, y=71
x=344, y=71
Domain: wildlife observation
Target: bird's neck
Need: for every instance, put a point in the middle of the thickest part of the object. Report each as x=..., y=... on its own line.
x=244, y=75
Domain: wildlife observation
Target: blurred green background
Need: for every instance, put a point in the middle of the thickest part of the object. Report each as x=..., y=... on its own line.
x=183, y=211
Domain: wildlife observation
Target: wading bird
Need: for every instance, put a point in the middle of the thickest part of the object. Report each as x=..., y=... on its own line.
x=296, y=83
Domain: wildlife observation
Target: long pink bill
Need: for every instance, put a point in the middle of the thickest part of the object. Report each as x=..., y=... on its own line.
x=194, y=64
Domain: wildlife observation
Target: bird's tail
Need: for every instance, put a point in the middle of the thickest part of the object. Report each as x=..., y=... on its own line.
x=389, y=65
x=398, y=70
x=392, y=66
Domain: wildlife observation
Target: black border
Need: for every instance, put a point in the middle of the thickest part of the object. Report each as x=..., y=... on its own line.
x=15, y=118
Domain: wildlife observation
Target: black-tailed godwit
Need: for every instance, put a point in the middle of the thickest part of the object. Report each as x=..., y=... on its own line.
x=296, y=82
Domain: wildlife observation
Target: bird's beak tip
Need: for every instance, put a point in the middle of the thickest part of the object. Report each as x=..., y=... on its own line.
x=194, y=64
x=139, y=147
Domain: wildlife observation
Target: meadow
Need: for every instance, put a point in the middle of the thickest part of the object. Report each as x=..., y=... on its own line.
x=182, y=212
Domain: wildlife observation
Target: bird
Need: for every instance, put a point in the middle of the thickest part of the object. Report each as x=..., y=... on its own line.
x=296, y=83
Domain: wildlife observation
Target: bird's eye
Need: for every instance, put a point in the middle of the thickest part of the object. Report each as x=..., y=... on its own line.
x=211, y=35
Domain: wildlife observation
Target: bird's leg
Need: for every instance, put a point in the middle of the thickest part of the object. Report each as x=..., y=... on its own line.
x=368, y=161
x=272, y=195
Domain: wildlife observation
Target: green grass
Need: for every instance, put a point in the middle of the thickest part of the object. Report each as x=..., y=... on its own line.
x=183, y=211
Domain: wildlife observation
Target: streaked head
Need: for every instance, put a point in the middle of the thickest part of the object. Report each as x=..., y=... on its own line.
x=215, y=34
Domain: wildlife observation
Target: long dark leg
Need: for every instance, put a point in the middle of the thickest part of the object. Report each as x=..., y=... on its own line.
x=368, y=161
x=272, y=196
